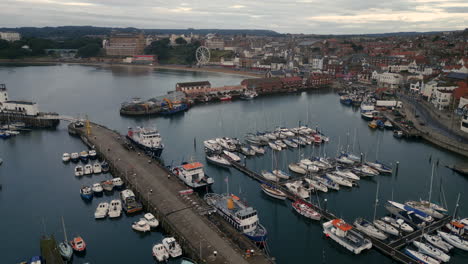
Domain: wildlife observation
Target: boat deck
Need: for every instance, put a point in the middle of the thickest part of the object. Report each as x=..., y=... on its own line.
x=186, y=217
x=388, y=248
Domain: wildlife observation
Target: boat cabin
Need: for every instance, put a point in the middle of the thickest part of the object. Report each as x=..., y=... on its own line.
x=342, y=227
x=192, y=170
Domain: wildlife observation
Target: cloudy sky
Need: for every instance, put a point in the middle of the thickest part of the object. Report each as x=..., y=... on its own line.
x=285, y=16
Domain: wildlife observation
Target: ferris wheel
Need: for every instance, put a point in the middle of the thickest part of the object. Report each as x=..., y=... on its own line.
x=203, y=55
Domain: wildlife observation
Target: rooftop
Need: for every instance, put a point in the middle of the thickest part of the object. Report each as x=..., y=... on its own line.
x=21, y=102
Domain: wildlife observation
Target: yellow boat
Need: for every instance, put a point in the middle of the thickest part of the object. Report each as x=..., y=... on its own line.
x=373, y=124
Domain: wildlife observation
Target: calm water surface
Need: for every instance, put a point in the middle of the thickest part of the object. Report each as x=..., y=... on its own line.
x=38, y=188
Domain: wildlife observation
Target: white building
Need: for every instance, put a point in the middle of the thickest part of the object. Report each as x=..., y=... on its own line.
x=387, y=79
x=17, y=107
x=317, y=64
x=416, y=86
x=464, y=123
x=441, y=98
x=10, y=36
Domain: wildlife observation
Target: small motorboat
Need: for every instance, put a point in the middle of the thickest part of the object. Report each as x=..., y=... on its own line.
x=97, y=188
x=115, y=208
x=306, y=210
x=454, y=240
x=398, y=133
x=367, y=227
x=269, y=176
x=388, y=124
x=86, y=193
x=88, y=169
x=281, y=174
x=297, y=189
x=437, y=241
x=273, y=146
x=296, y=168
x=97, y=168
x=107, y=185
x=118, y=183
x=84, y=156
x=66, y=251
x=78, y=244
x=398, y=223
x=172, y=247
x=273, y=192
x=456, y=227
x=212, y=145
x=101, y=210
x=420, y=257
x=432, y=251
x=66, y=157
x=92, y=154
x=152, y=221
x=386, y=227
x=105, y=167
x=225, y=98
x=36, y=260
x=258, y=150
x=75, y=157
x=141, y=226
x=79, y=171
x=160, y=253
x=373, y=124
x=218, y=160
x=232, y=156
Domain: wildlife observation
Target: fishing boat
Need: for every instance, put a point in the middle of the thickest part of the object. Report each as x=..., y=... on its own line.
x=244, y=218
x=232, y=156
x=105, y=167
x=423, y=208
x=101, y=210
x=340, y=180
x=66, y=251
x=84, y=156
x=129, y=201
x=78, y=244
x=88, y=169
x=437, y=241
x=386, y=227
x=173, y=109
x=92, y=154
x=97, y=168
x=454, y=240
x=86, y=193
x=258, y=150
x=193, y=175
x=97, y=188
x=280, y=174
x=388, y=125
x=248, y=95
x=269, y=176
x=306, y=210
x=273, y=191
x=398, y=223
x=343, y=234
x=432, y=251
x=297, y=189
x=107, y=185
x=295, y=167
x=273, y=146
x=345, y=99
x=327, y=182
x=367, y=227
x=79, y=171
x=218, y=160
x=456, y=227
x=66, y=157
x=115, y=209
x=368, y=115
x=373, y=124
x=172, y=247
x=141, y=226
x=147, y=139
x=117, y=183
x=420, y=257
x=152, y=221
x=317, y=185
x=289, y=143
x=160, y=253
x=212, y=145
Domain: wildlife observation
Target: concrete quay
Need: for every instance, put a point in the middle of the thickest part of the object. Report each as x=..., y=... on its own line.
x=186, y=217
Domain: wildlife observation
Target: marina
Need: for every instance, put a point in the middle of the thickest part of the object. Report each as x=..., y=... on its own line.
x=300, y=235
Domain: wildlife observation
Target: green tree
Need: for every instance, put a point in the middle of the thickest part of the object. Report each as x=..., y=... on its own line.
x=180, y=41
x=90, y=50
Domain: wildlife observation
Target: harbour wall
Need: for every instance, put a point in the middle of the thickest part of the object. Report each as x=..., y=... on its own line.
x=30, y=121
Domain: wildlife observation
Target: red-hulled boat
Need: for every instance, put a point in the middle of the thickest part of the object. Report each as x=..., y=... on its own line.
x=306, y=210
x=78, y=244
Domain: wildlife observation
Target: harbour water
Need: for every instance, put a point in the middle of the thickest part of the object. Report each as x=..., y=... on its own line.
x=38, y=188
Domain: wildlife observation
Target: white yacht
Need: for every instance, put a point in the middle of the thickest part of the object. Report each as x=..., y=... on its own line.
x=281, y=174
x=101, y=210
x=420, y=257
x=152, y=221
x=232, y=156
x=340, y=180
x=193, y=175
x=269, y=176
x=317, y=185
x=297, y=189
x=280, y=144
x=432, y=251
x=296, y=168
x=437, y=241
x=141, y=226
x=79, y=171
x=226, y=144
x=97, y=188
x=212, y=145
x=97, y=168
x=246, y=150
x=117, y=182
x=385, y=227
x=454, y=240
x=258, y=150
x=115, y=208
x=289, y=143
x=172, y=247
x=88, y=169
x=218, y=160
x=308, y=165
x=365, y=170
x=398, y=223
x=274, y=146
x=347, y=174
x=66, y=157
x=343, y=234
x=160, y=253
x=327, y=182
x=425, y=207
x=344, y=159
x=367, y=227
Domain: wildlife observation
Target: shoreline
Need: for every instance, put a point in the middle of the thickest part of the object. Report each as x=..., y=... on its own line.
x=155, y=67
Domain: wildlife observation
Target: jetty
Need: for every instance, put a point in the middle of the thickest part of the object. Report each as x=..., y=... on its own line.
x=182, y=214
x=49, y=250
x=389, y=248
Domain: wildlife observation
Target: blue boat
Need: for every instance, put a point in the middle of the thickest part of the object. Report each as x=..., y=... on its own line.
x=84, y=156
x=380, y=124
x=86, y=193
x=36, y=260
x=105, y=167
x=345, y=100
x=4, y=134
x=174, y=109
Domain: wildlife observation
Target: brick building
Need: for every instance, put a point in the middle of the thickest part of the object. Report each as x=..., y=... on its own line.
x=193, y=86
x=292, y=83
x=263, y=85
x=125, y=44
x=318, y=79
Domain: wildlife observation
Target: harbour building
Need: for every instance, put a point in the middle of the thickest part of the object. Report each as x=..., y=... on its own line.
x=16, y=107
x=125, y=44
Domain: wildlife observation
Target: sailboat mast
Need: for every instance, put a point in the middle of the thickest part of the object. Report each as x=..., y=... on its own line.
x=430, y=188
x=376, y=200
x=64, y=232
x=456, y=207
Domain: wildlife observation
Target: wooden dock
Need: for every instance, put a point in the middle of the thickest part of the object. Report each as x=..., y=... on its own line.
x=388, y=248
x=188, y=218
x=49, y=250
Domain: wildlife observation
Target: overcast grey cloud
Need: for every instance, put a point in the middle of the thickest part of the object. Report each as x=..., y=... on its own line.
x=293, y=16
